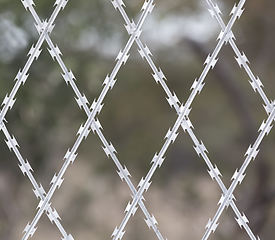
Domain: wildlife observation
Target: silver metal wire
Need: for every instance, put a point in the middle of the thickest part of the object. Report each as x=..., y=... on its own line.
x=93, y=110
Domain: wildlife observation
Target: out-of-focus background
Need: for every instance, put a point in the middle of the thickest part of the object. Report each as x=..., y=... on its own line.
x=135, y=118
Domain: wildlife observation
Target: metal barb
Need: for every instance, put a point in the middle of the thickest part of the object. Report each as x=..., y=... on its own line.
x=226, y=35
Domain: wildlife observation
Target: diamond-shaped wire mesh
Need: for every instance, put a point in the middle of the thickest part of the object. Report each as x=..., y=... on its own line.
x=92, y=123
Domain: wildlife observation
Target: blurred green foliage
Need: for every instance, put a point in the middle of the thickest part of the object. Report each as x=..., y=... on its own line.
x=136, y=116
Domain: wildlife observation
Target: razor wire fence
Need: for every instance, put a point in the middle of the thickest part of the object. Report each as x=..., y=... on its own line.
x=92, y=124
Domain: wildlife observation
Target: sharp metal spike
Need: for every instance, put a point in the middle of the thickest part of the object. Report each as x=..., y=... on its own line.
x=171, y=135
x=27, y=4
x=41, y=203
x=45, y=26
x=109, y=81
x=21, y=77
x=61, y=3
x=213, y=227
x=34, y=51
x=122, y=57
x=242, y=60
x=173, y=101
x=159, y=76
x=211, y=61
x=12, y=143
x=265, y=127
x=123, y=173
x=197, y=86
x=8, y=101
x=149, y=6
x=227, y=36
x=214, y=173
x=129, y=207
x=39, y=192
x=268, y=108
x=186, y=124
x=68, y=237
x=117, y=3
x=144, y=52
x=58, y=181
x=142, y=182
x=242, y=221
x=55, y=52
x=96, y=126
x=200, y=149
x=69, y=156
x=257, y=84
x=119, y=236
x=215, y=11
x=53, y=215
x=68, y=76
x=109, y=149
x=237, y=176
x=81, y=101
x=251, y=152
x=130, y=26
x=132, y=29
x=228, y=201
x=27, y=228
x=96, y=107
x=158, y=160
x=236, y=10
x=25, y=167
x=151, y=221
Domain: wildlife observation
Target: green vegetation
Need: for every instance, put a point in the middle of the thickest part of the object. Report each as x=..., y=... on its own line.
x=135, y=118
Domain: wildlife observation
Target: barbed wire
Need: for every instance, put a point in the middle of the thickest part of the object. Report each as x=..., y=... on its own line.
x=93, y=124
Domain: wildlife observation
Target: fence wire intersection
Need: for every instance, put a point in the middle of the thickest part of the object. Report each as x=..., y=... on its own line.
x=92, y=123
x=224, y=37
